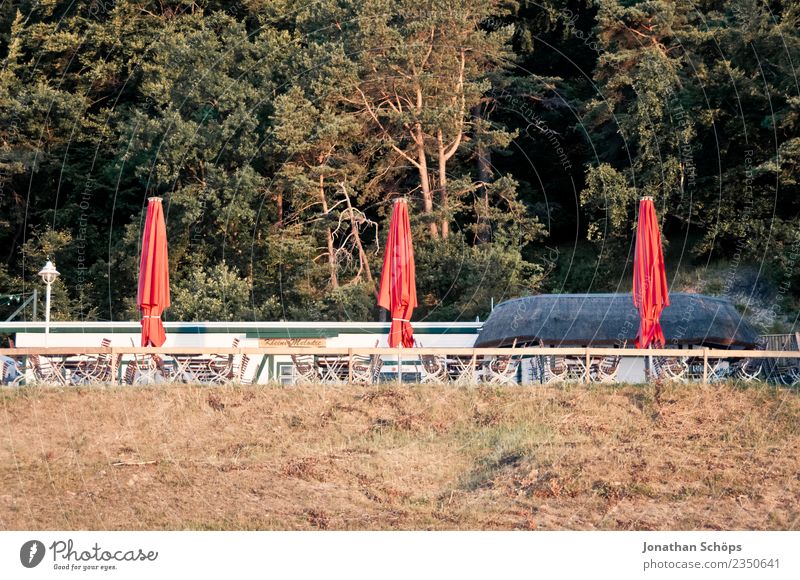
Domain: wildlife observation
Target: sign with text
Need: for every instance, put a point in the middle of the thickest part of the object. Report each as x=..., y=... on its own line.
x=273, y=342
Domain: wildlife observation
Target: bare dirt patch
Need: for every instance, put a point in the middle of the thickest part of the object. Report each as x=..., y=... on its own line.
x=178, y=457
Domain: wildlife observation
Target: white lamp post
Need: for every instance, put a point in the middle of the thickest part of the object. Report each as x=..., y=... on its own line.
x=49, y=275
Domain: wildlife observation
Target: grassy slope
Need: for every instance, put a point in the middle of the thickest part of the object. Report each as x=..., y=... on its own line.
x=400, y=458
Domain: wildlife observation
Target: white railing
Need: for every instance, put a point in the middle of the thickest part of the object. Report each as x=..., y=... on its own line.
x=78, y=365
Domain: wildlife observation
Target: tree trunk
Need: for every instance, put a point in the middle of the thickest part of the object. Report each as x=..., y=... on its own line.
x=424, y=180
x=328, y=236
x=443, y=183
x=484, y=175
x=362, y=255
x=279, y=203
x=18, y=231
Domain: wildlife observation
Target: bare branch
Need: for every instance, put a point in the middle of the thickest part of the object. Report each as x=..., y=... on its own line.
x=460, y=133
x=430, y=50
x=362, y=255
x=384, y=131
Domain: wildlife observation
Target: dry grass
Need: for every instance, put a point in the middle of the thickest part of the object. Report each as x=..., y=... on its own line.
x=630, y=457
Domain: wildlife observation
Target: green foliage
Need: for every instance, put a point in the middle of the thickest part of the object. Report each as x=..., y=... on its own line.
x=458, y=281
x=278, y=132
x=609, y=194
x=215, y=294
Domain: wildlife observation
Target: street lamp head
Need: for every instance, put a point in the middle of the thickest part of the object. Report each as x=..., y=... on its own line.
x=49, y=273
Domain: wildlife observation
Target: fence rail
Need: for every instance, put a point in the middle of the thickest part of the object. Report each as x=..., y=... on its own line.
x=460, y=351
x=71, y=365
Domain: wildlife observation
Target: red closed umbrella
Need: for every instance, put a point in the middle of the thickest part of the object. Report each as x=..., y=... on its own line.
x=650, y=293
x=153, y=295
x=398, y=292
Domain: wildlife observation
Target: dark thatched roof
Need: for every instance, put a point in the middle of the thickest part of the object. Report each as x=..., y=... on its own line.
x=611, y=319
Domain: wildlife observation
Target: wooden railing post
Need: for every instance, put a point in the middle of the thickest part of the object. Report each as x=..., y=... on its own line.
x=400, y=364
x=472, y=366
x=586, y=376
x=705, y=366
x=350, y=365
x=113, y=366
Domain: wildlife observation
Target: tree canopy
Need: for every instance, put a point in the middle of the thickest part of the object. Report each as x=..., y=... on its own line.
x=278, y=132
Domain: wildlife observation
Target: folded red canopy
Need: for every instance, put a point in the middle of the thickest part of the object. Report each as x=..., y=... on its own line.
x=153, y=295
x=398, y=292
x=650, y=293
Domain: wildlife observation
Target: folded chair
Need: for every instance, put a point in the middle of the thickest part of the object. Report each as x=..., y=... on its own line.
x=224, y=369
x=131, y=372
x=670, y=368
x=746, y=369
x=781, y=370
x=606, y=370
x=366, y=369
x=97, y=369
x=536, y=369
x=501, y=370
x=434, y=369
x=306, y=370
x=556, y=369
x=149, y=369
x=10, y=373
x=46, y=371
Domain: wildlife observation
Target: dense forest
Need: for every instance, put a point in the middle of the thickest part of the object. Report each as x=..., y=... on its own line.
x=278, y=132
